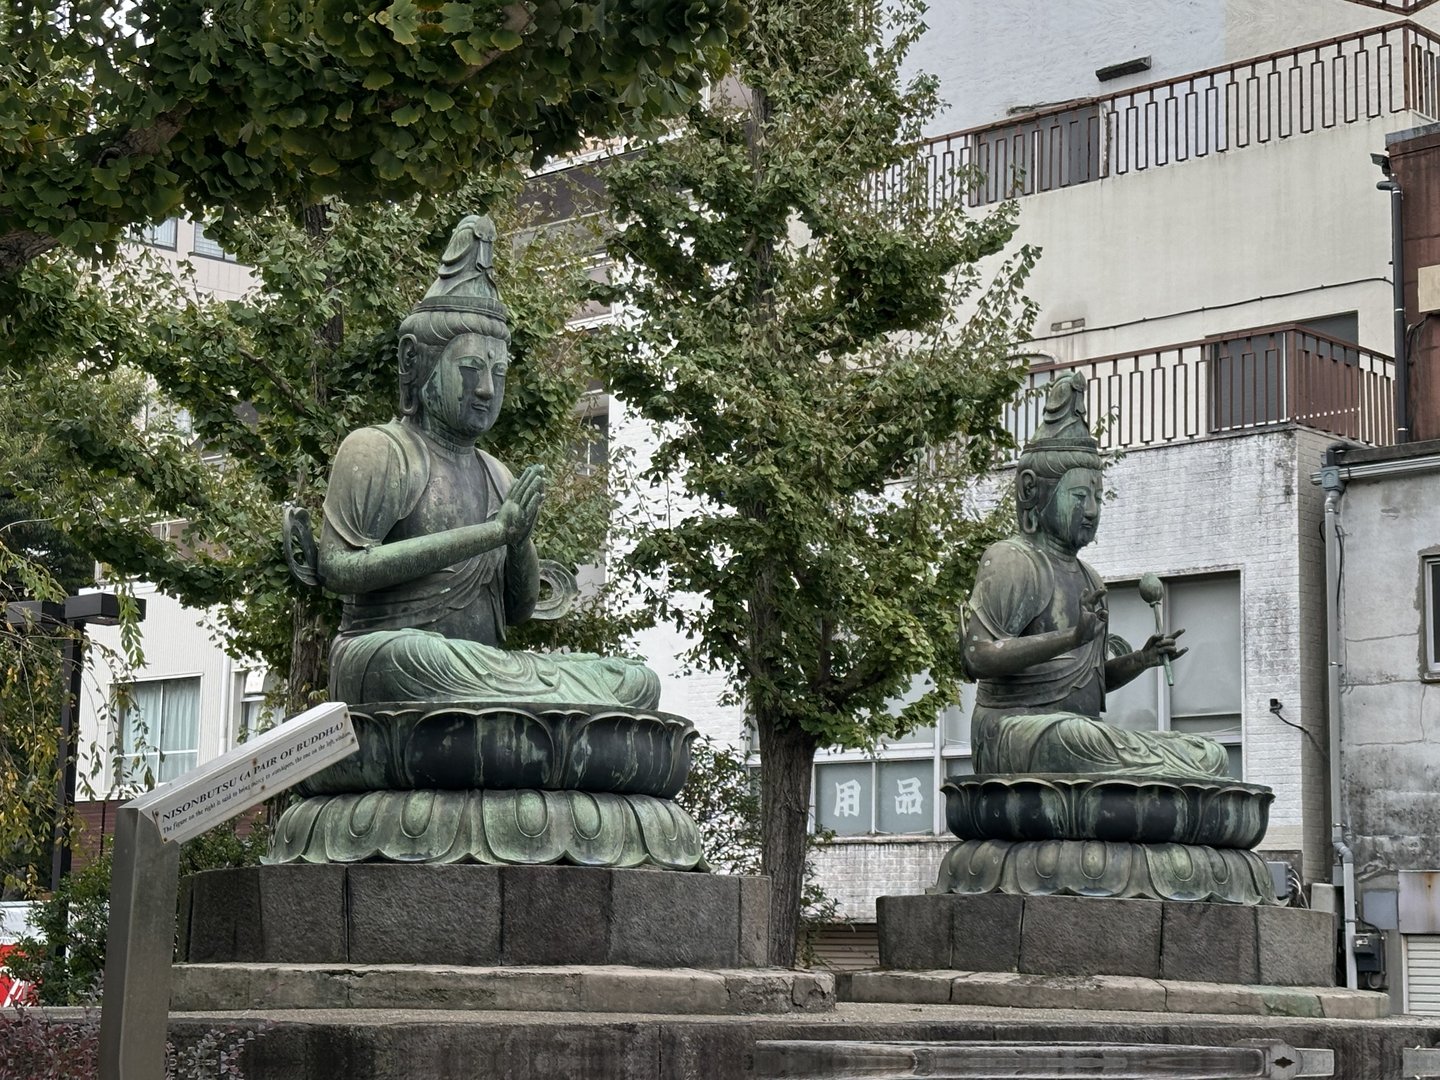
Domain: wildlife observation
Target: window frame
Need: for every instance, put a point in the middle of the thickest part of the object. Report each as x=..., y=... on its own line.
x=130, y=766
x=198, y=237
x=1430, y=617
x=149, y=235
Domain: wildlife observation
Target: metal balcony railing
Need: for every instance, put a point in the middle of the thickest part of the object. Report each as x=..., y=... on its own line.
x=1404, y=7
x=1247, y=381
x=1327, y=84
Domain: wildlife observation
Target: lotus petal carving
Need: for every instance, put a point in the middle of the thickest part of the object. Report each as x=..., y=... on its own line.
x=1117, y=809
x=408, y=746
x=515, y=827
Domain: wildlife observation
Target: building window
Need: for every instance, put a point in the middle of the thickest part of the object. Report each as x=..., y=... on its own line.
x=1430, y=584
x=208, y=247
x=895, y=790
x=160, y=730
x=593, y=451
x=1060, y=148
x=1205, y=699
x=162, y=235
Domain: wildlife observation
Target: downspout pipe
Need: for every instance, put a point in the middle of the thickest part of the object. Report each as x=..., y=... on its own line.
x=1397, y=274
x=1334, y=485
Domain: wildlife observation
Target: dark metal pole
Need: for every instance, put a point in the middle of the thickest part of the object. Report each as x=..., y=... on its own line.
x=1397, y=272
x=72, y=669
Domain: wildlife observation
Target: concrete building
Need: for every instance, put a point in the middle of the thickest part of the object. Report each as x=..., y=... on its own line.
x=1217, y=261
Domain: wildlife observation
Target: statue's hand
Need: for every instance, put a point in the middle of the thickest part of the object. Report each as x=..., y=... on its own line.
x=1092, y=617
x=1160, y=647
x=522, y=505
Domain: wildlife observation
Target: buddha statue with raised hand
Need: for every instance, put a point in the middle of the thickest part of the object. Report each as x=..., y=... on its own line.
x=1034, y=636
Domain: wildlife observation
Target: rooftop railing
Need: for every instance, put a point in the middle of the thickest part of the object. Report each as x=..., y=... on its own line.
x=1251, y=380
x=1315, y=87
x=1404, y=7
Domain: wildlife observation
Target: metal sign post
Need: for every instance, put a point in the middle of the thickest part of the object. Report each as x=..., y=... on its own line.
x=144, y=885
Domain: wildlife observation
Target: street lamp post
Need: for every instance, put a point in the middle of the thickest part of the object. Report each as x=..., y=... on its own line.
x=76, y=612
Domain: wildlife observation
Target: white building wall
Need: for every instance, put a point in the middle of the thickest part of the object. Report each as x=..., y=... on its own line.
x=994, y=56
x=1390, y=706
x=179, y=642
x=1286, y=231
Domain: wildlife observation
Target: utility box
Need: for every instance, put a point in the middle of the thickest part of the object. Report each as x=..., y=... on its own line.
x=1427, y=291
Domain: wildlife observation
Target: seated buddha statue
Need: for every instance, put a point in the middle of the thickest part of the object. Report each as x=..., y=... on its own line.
x=1034, y=629
x=428, y=538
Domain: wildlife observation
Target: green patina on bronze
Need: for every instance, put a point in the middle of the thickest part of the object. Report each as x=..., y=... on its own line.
x=427, y=537
x=1107, y=870
x=1034, y=636
x=469, y=750
x=494, y=827
x=1066, y=803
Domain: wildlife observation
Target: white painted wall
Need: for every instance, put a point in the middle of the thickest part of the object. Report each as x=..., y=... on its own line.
x=996, y=55
x=1390, y=710
x=179, y=643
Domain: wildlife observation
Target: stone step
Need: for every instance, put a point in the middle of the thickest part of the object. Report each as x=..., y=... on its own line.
x=576, y=988
x=1108, y=992
x=823, y=1059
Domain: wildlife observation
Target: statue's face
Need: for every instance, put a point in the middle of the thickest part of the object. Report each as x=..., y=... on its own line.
x=1072, y=515
x=465, y=391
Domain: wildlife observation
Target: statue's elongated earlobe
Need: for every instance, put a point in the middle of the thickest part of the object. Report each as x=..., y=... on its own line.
x=409, y=376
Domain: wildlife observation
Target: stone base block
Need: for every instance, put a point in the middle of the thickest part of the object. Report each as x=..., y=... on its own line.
x=1084, y=936
x=1108, y=993
x=382, y=913
x=610, y=989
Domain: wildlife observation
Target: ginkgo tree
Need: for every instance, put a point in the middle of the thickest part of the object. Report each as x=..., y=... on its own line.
x=821, y=405
x=120, y=112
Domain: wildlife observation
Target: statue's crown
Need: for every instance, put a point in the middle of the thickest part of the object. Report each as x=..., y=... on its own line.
x=467, y=272
x=1064, y=425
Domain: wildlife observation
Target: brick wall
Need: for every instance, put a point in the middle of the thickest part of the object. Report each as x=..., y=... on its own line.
x=854, y=871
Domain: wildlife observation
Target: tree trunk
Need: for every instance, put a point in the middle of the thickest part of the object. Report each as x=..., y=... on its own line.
x=787, y=754
x=310, y=622
x=309, y=650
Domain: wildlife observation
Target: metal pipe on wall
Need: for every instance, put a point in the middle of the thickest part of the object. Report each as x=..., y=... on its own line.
x=1397, y=274
x=1344, y=857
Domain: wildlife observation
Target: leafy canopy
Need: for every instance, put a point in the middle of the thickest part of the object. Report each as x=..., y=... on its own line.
x=816, y=395
x=117, y=113
x=248, y=400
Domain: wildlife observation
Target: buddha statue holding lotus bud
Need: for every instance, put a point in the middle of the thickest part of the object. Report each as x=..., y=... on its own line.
x=1062, y=802
x=1035, y=635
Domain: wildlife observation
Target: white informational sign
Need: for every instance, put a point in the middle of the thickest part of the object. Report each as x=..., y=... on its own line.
x=250, y=773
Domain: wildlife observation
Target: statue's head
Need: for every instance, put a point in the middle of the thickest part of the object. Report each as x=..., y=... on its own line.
x=454, y=345
x=1057, y=479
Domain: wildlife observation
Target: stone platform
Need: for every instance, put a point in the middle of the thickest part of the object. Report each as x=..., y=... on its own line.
x=474, y=916
x=383, y=1044
x=1068, y=935
x=1015, y=991
x=608, y=989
